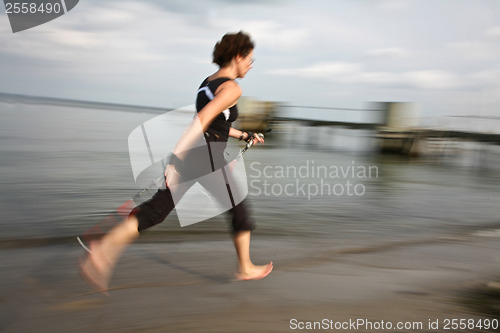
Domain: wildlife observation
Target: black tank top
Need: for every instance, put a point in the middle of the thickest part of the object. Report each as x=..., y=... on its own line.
x=219, y=128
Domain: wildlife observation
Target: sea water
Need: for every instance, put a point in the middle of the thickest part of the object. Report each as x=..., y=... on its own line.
x=64, y=166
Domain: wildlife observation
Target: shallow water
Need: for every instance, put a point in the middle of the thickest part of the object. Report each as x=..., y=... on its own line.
x=65, y=167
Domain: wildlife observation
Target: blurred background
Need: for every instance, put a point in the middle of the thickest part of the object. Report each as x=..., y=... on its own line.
x=407, y=89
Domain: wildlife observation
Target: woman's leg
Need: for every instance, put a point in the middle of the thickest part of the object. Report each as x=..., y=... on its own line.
x=241, y=223
x=242, y=230
x=246, y=269
x=97, y=267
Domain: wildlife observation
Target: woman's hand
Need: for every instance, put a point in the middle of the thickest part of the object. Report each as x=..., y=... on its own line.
x=256, y=138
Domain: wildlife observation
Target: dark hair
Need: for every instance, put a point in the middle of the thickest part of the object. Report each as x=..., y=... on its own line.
x=230, y=46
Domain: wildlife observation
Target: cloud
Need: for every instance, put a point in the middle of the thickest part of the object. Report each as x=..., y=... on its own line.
x=493, y=32
x=324, y=70
x=149, y=52
x=109, y=38
x=431, y=79
x=354, y=73
x=476, y=50
x=388, y=52
x=266, y=32
x=489, y=77
x=394, y=5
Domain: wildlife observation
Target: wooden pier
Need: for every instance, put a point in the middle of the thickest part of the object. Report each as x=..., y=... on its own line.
x=393, y=128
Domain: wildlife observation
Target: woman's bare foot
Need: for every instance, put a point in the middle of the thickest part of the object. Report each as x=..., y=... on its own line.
x=95, y=269
x=255, y=272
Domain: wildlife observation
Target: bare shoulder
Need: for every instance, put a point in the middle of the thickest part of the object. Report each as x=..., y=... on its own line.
x=230, y=87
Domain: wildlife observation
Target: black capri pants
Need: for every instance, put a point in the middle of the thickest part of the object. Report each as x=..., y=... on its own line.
x=198, y=162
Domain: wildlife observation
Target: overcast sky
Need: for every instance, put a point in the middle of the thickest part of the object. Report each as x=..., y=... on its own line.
x=443, y=54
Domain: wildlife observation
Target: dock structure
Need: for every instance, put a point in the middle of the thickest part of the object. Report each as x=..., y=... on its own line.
x=255, y=115
x=425, y=141
x=385, y=127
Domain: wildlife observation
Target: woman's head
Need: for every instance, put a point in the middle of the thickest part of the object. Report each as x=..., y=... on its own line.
x=232, y=46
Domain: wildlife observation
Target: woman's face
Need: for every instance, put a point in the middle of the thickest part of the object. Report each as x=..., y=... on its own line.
x=244, y=64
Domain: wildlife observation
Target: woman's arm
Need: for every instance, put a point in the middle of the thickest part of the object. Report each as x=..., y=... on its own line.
x=225, y=97
x=237, y=134
x=240, y=135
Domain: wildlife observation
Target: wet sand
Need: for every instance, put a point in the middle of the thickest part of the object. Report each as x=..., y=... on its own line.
x=188, y=286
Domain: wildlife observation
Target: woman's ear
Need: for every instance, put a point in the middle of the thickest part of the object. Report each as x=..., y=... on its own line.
x=238, y=58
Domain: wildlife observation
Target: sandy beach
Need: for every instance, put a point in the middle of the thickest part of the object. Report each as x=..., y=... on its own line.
x=188, y=286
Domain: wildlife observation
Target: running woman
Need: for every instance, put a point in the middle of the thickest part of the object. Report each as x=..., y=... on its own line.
x=216, y=110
